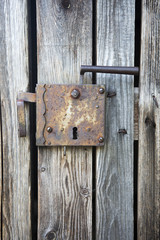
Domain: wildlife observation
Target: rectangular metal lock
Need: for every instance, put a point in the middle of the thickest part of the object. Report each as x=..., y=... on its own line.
x=70, y=115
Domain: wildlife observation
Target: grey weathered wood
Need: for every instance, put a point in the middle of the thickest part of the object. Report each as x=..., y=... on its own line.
x=64, y=37
x=136, y=113
x=114, y=162
x=16, y=216
x=0, y=168
x=149, y=124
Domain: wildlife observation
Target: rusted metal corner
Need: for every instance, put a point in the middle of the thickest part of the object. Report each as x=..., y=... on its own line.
x=21, y=118
x=41, y=110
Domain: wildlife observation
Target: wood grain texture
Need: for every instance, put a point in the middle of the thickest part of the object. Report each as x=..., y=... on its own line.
x=64, y=35
x=149, y=124
x=16, y=214
x=1, y=161
x=136, y=113
x=114, y=175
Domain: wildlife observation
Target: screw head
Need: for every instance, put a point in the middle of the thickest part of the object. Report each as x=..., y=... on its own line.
x=101, y=140
x=75, y=93
x=49, y=129
x=101, y=90
x=43, y=169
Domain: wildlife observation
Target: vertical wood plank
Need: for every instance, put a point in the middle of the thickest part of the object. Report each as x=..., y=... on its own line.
x=114, y=166
x=149, y=124
x=16, y=214
x=136, y=113
x=64, y=38
x=1, y=159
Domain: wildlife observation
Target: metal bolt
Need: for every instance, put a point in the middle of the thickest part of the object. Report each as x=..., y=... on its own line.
x=111, y=94
x=49, y=129
x=101, y=90
x=49, y=143
x=101, y=140
x=43, y=169
x=75, y=93
x=97, y=106
x=123, y=131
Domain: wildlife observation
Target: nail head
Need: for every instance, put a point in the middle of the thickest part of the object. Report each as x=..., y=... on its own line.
x=49, y=129
x=101, y=140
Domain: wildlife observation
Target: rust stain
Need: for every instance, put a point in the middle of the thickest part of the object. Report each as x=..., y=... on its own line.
x=21, y=118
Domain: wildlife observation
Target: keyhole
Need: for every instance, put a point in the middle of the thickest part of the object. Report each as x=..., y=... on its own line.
x=74, y=133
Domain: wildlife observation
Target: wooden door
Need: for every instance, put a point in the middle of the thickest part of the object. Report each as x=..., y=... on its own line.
x=109, y=192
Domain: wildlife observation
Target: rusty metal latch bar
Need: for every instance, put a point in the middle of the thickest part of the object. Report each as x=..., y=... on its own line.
x=109, y=69
x=23, y=97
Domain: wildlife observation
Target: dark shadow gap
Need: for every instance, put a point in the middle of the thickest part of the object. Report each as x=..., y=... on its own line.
x=138, y=9
x=135, y=187
x=33, y=81
x=94, y=62
x=138, y=5
x=94, y=39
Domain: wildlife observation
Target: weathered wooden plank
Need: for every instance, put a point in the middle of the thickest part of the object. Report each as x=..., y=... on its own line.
x=64, y=182
x=136, y=113
x=16, y=216
x=114, y=175
x=149, y=124
x=1, y=159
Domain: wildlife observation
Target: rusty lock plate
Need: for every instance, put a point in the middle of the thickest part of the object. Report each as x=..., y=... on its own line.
x=70, y=115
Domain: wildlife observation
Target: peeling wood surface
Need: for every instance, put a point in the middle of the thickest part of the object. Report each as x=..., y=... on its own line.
x=149, y=124
x=16, y=216
x=64, y=35
x=114, y=166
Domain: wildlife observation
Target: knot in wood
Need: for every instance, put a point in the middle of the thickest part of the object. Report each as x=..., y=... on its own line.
x=150, y=122
x=84, y=192
x=50, y=236
x=66, y=4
